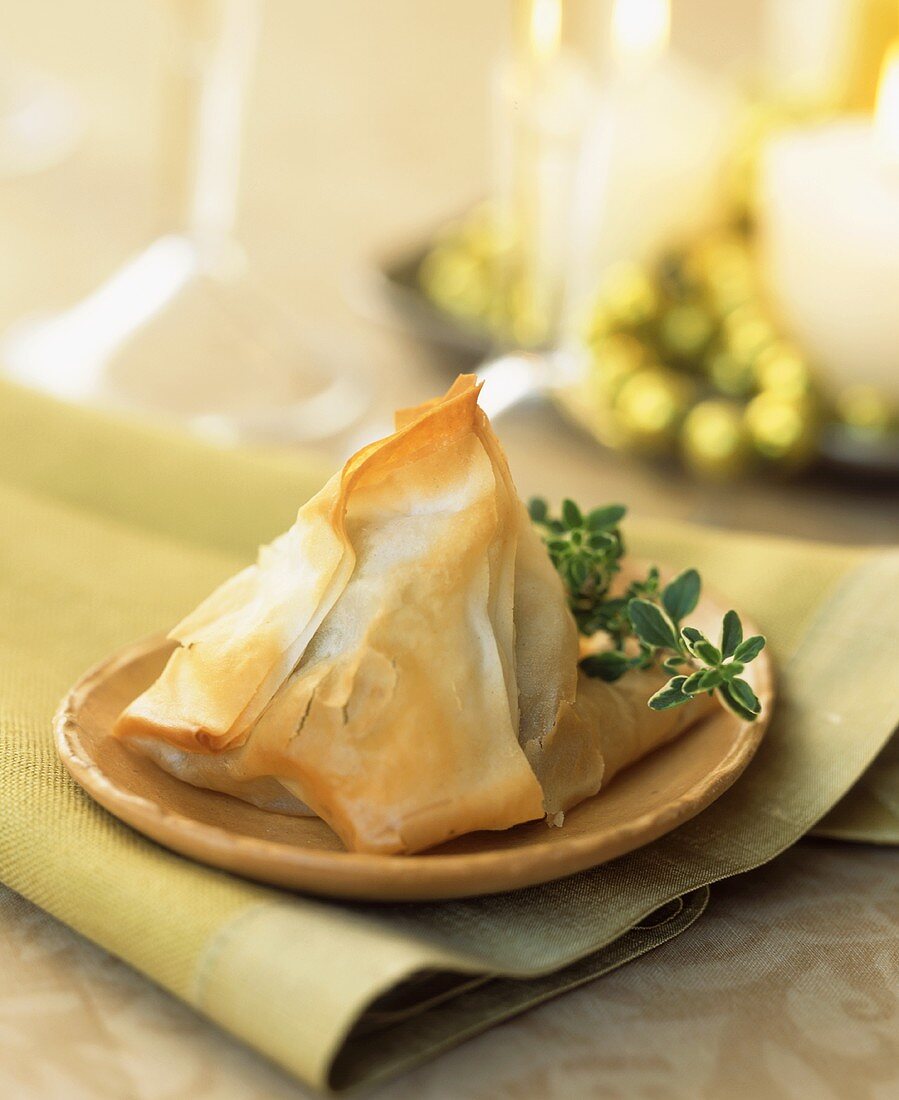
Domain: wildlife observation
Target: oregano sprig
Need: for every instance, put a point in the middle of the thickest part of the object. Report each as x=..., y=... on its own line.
x=645, y=623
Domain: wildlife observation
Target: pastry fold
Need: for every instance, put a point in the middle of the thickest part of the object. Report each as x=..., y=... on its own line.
x=402, y=661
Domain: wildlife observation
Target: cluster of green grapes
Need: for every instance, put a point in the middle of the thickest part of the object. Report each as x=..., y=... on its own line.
x=468, y=273
x=685, y=358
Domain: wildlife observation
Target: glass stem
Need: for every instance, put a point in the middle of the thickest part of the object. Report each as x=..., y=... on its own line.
x=207, y=72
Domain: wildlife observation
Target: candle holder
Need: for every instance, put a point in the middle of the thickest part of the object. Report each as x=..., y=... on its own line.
x=680, y=352
x=182, y=330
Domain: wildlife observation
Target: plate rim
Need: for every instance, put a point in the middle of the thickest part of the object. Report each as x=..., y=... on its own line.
x=370, y=876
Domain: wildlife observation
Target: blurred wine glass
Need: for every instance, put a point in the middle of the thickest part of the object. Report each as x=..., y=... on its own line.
x=182, y=330
x=545, y=95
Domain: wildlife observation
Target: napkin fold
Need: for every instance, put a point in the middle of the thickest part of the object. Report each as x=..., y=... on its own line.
x=110, y=531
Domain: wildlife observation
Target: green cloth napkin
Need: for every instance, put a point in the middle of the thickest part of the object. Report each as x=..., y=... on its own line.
x=110, y=531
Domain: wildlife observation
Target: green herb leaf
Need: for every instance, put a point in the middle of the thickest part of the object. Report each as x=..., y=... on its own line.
x=652, y=624
x=671, y=695
x=538, y=509
x=600, y=540
x=681, y=596
x=730, y=697
x=602, y=519
x=731, y=633
x=750, y=649
x=693, y=684
x=709, y=653
x=746, y=695
x=704, y=680
x=609, y=666
x=699, y=646
x=587, y=552
x=711, y=678
x=571, y=514
x=578, y=570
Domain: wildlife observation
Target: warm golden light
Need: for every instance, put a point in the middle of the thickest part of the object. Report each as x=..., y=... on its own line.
x=640, y=31
x=546, y=29
x=886, y=118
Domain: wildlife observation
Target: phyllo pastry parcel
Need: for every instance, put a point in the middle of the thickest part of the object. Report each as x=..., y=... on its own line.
x=402, y=661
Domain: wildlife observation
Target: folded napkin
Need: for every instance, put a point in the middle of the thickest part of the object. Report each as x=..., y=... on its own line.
x=111, y=531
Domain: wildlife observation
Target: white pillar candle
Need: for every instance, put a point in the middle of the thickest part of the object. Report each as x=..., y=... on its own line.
x=670, y=133
x=829, y=237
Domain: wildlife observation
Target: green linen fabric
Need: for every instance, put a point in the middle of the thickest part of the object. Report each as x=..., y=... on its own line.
x=111, y=530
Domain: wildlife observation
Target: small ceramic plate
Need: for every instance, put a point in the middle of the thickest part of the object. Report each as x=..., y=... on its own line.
x=647, y=800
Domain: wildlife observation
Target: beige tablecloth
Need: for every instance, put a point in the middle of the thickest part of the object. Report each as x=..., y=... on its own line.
x=813, y=1010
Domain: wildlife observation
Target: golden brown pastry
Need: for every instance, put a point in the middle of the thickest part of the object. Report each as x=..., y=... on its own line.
x=402, y=661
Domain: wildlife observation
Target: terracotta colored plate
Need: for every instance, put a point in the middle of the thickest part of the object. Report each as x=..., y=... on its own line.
x=650, y=798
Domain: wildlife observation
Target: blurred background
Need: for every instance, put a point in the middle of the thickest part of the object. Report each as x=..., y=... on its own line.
x=667, y=232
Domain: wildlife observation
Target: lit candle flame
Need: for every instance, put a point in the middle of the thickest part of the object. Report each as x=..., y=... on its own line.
x=886, y=117
x=640, y=32
x=546, y=29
